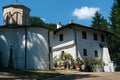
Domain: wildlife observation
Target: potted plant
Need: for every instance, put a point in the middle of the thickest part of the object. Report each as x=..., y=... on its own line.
x=78, y=63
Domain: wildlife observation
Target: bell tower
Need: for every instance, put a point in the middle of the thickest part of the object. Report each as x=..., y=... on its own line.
x=16, y=14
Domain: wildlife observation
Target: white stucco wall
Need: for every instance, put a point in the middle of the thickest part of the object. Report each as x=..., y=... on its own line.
x=67, y=45
x=12, y=37
x=67, y=36
x=37, y=47
x=68, y=49
x=90, y=44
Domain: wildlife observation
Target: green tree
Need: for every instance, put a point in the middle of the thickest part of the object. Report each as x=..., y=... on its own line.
x=51, y=26
x=66, y=57
x=36, y=21
x=99, y=22
x=104, y=24
x=114, y=40
x=96, y=20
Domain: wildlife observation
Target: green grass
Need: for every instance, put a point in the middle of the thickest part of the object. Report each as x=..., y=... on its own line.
x=31, y=73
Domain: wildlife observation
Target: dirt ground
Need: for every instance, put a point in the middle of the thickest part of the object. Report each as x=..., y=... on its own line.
x=87, y=76
x=98, y=76
x=70, y=75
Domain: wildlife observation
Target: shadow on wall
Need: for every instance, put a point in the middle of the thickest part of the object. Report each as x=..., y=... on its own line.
x=15, y=39
x=19, y=49
x=4, y=50
x=37, y=48
x=37, y=51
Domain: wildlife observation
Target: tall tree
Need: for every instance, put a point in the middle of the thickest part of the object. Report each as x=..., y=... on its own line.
x=99, y=22
x=104, y=24
x=96, y=20
x=114, y=40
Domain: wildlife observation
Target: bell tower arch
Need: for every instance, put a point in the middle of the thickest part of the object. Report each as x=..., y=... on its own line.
x=16, y=14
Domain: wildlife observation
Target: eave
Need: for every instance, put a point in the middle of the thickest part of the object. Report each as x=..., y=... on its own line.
x=74, y=25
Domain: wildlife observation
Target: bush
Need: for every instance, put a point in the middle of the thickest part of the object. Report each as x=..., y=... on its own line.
x=65, y=60
x=93, y=64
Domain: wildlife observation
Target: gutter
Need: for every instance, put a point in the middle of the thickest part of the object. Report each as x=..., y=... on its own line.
x=25, y=47
x=75, y=34
x=49, y=53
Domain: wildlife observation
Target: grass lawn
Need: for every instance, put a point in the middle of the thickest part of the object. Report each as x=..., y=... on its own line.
x=28, y=73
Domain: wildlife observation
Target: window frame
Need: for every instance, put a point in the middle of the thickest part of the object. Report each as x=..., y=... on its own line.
x=62, y=51
x=96, y=53
x=95, y=36
x=61, y=37
x=85, y=52
x=103, y=38
x=84, y=34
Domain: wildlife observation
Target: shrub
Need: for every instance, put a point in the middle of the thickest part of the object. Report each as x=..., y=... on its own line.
x=92, y=64
x=65, y=60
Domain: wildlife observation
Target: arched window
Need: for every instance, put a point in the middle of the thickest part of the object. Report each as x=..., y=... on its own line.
x=7, y=20
x=16, y=19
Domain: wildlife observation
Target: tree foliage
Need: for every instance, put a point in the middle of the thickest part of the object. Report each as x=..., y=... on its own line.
x=114, y=40
x=37, y=21
x=99, y=22
x=79, y=61
x=51, y=26
x=66, y=57
x=65, y=60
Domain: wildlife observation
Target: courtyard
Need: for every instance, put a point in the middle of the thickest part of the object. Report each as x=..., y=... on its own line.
x=57, y=75
x=88, y=76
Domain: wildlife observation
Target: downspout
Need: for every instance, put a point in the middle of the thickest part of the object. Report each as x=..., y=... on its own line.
x=75, y=34
x=25, y=47
x=49, y=53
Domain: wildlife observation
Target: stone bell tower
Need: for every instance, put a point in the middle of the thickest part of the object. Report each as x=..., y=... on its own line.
x=16, y=14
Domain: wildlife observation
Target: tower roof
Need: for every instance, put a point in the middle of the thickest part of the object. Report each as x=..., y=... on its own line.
x=16, y=5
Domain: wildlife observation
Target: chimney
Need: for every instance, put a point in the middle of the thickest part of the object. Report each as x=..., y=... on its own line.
x=71, y=21
x=59, y=25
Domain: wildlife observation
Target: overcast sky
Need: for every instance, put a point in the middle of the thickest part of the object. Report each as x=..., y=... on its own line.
x=53, y=11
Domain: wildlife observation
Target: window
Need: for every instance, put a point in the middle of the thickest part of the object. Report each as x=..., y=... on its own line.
x=95, y=36
x=85, y=52
x=7, y=21
x=61, y=37
x=96, y=53
x=102, y=38
x=62, y=52
x=84, y=35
